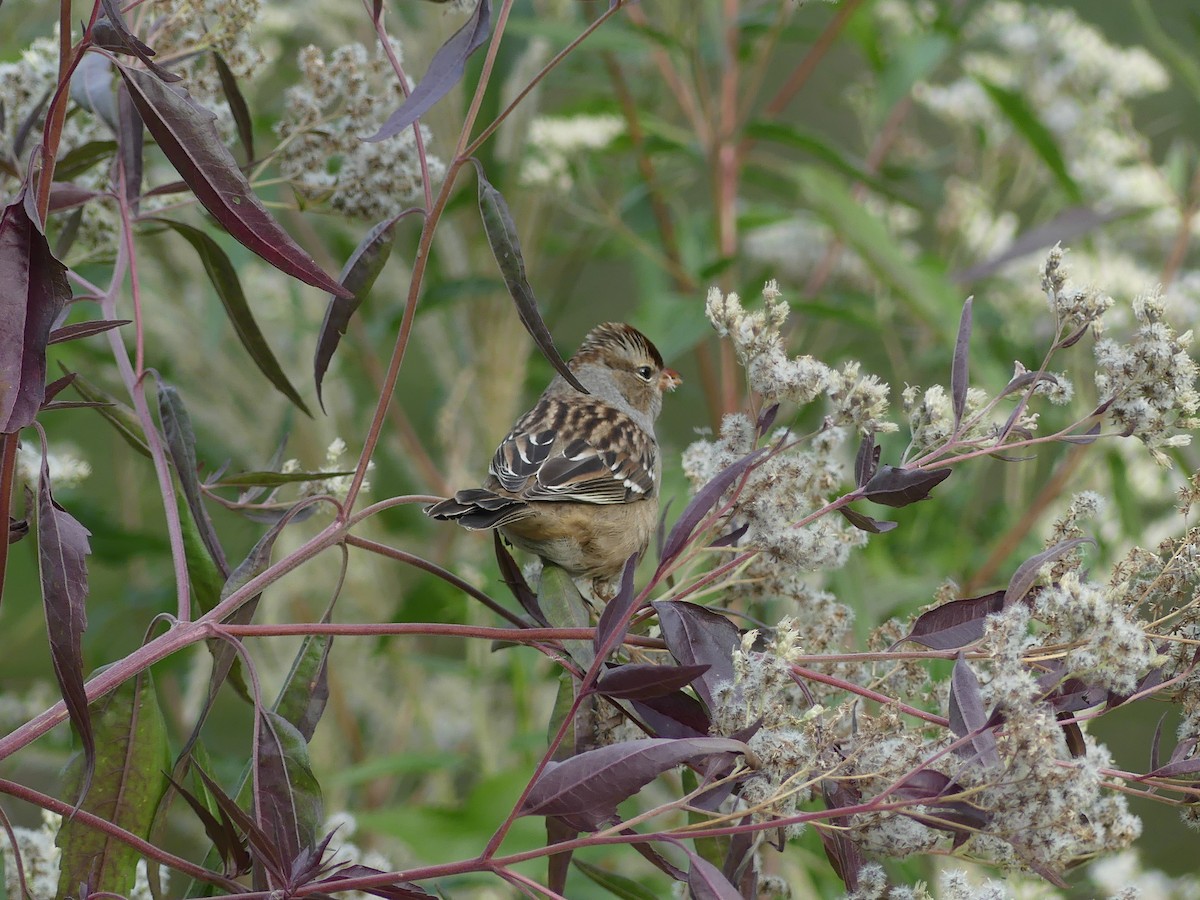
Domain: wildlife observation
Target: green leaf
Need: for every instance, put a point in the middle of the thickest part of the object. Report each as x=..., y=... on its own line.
x=132, y=758
x=117, y=414
x=303, y=695
x=203, y=575
x=928, y=295
x=817, y=145
x=1180, y=59
x=1036, y=134
x=915, y=59
x=82, y=158
x=617, y=885
x=564, y=607
x=275, y=479
x=225, y=281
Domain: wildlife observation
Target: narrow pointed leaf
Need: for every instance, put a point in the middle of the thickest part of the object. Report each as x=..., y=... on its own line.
x=225, y=281
x=34, y=292
x=511, y=575
x=181, y=443
x=1040, y=139
x=225, y=836
x=357, y=276
x=706, y=498
x=131, y=146
x=119, y=415
x=644, y=681
x=397, y=890
x=960, y=369
x=306, y=690
x=444, y=72
x=111, y=33
x=185, y=132
x=501, y=233
x=84, y=329
x=1024, y=380
x=895, y=487
x=866, y=461
x=617, y=611
x=564, y=607
x=956, y=623
x=237, y=105
x=1027, y=573
x=707, y=882
x=618, y=885
x=699, y=637
x=287, y=798
x=264, y=850
x=968, y=715
x=584, y=790
x=132, y=754
x=82, y=158
x=62, y=547
x=674, y=715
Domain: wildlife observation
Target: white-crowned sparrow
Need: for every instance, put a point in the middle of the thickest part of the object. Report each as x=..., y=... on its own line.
x=577, y=479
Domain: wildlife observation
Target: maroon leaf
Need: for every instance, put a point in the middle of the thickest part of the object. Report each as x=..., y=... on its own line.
x=111, y=33
x=730, y=538
x=510, y=574
x=1027, y=573
x=264, y=850
x=62, y=546
x=1073, y=735
x=925, y=784
x=866, y=461
x=34, y=292
x=287, y=798
x=968, y=716
x=1074, y=337
x=1088, y=437
x=707, y=882
x=675, y=715
x=57, y=386
x=1154, y=741
x=643, y=681
x=617, y=611
x=224, y=278
x=896, y=487
x=185, y=132
x=84, y=329
x=699, y=637
x=1024, y=380
x=866, y=523
x=131, y=144
x=444, y=72
x=225, y=836
x=501, y=233
x=960, y=369
x=706, y=498
x=396, y=890
x=955, y=624
x=766, y=419
x=237, y=105
x=68, y=195
x=357, y=276
x=584, y=790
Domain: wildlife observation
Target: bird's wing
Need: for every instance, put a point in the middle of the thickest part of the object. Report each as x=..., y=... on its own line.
x=580, y=452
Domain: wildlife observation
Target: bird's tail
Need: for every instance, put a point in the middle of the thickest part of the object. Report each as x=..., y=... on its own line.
x=479, y=509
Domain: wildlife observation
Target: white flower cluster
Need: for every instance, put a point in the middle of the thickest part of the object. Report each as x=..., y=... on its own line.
x=758, y=343
x=1151, y=381
x=186, y=28
x=336, y=486
x=338, y=102
x=555, y=143
x=1073, y=306
x=66, y=469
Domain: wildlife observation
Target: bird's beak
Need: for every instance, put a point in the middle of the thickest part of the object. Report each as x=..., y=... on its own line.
x=669, y=380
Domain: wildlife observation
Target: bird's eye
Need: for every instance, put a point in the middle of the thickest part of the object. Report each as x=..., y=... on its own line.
x=644, y=372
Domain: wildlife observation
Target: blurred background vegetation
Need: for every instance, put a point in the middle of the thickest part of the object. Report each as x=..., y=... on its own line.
x=892, y=158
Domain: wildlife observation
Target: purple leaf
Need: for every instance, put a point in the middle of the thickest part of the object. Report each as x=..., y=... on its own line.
x=1154, y=742
x=895, y=487
x=730, y=538
x=111, y=33
x=866, y=461
x=1024, y=380
x=866, y=523
x=84, y=329
x=956, y=623
x=699, y=637
x=675, y=715
x=62, y=546
x=766, y=419
x=707, y=882
x=960, y=369
x=968, y=716
x=225, y=836
x=54, y=388
x=237, y=105
x=130, y=144
x=287, y=798
x=644, y=681
x=264, y=850
x=1027, y=573
x=34, y=292
x=1074, y=337
x=706, y=498
x=584, y=790
x=1088, y=437
x=511, y=575
x=358, y=276
x=444, y=72
x=224, y=278
x=502, y=237
x=925, y=784
x=617, y=611
x=68, y=195
x=184, y=131
x=396, y=890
